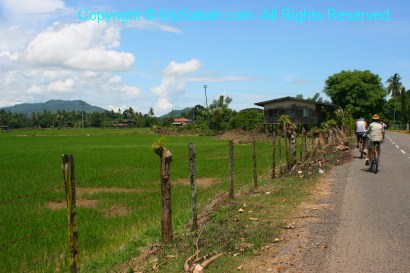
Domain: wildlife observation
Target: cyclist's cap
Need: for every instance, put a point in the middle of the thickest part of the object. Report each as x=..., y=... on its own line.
x=360, y=119
x=375, y=117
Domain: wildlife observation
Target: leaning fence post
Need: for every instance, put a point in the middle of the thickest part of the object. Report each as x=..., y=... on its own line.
x=69, y=182
x=166, y=212
x=255, y=174
x=231, y=178
x=192, y=179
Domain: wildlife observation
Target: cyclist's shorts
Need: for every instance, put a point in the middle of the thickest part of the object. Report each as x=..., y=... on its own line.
x=360, y=134
x=376, y=142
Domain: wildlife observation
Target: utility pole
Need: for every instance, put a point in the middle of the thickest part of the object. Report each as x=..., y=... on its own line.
x=207, y=110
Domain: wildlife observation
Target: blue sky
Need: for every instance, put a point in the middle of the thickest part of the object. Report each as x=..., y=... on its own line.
x=49, y=52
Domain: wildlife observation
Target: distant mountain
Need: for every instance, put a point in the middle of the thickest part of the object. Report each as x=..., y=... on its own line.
x=54, y=106
x=176, y=113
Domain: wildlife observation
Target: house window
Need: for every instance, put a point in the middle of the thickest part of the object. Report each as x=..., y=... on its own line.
x=270, y=112
x=306, y=112
x=292, y=112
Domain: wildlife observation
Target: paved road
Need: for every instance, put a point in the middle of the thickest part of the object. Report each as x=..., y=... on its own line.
x=373, y=227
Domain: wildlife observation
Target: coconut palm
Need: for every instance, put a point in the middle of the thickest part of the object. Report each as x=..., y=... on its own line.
x=394, y=85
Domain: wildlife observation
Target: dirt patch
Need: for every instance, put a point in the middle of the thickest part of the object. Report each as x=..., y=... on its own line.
x=239, y=136
x=89, y=203
x=201, y=182
x=117, y=210
x=57, y=205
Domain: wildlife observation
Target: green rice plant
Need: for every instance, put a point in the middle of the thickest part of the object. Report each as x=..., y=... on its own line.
x=118, y=192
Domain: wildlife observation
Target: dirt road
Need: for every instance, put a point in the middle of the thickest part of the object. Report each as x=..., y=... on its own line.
x=355, y=222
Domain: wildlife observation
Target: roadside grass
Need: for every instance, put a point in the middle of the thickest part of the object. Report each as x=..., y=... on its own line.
x=239, y=227
x=33, y=237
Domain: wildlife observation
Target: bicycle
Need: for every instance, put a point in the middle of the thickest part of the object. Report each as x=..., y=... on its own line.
x=374, y=159
x=362, y=144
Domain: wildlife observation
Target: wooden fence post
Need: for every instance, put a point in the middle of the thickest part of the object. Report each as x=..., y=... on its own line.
x=305, y=150
x=166, y=211
x=192, y=180
x=301, y=149
x=273, y=155
x=69, y=182
x=280, y=150
x=231, y=178
x=255, y=174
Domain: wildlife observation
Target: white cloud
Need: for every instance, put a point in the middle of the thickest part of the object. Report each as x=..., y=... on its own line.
x=61, y=86
x=115, y=108
x=219, y=78
x=151, y=25
x=32, y=6
x=84, y=46
x=175, y=69
x=68, y=61
x=173, y=82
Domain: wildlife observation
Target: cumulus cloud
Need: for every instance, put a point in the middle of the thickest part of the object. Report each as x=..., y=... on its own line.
x=61, y=86
x=71, y=60
x=173, y=82
x=83, y=46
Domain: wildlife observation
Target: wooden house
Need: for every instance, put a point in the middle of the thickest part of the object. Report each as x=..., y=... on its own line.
x=300, y=111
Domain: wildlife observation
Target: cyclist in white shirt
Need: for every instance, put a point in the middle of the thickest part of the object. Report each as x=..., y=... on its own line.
x=360, y=128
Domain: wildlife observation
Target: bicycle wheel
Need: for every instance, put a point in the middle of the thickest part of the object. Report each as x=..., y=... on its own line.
x=376, y=159
x=376, y=166
x=371, y=165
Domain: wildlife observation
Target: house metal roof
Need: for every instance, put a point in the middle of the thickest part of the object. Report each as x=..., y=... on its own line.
x=295, y=99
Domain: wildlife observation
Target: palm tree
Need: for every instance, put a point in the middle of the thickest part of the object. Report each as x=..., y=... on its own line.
x=394, y=85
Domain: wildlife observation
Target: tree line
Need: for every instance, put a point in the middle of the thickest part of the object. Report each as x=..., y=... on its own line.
x=218, y=117
x=362, y=94
x=358, y=93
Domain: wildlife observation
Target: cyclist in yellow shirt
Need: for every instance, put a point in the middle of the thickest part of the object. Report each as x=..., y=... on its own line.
x=375, y=132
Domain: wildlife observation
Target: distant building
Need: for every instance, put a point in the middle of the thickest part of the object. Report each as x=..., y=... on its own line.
x=181, y=121
x=300, y=111
x=124, y=123
x=4, y=128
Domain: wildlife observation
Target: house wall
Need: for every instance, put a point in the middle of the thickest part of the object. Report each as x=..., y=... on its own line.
x=299, y=112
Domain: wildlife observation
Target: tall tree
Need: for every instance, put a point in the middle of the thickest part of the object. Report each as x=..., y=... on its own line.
x=362, y=90
x=404, y=99
x=151, y=112
x=395, y=85
x=220, y=113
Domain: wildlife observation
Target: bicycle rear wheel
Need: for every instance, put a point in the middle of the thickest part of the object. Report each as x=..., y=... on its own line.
x=376, y=158
x=371, y=164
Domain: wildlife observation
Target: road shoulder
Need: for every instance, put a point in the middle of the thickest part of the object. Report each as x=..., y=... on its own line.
x=304, y=245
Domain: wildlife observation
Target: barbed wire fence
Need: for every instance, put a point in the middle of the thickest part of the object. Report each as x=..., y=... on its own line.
x=252, y=162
